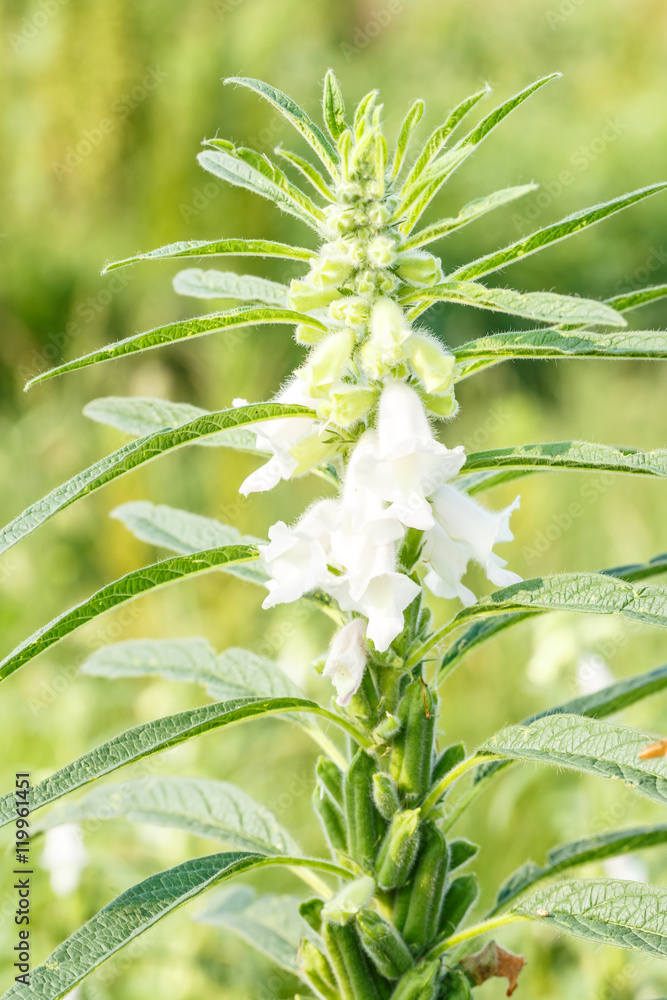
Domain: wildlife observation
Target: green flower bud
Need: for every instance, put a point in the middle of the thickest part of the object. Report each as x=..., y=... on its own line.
x=383, y=944
x=332, y=820
x=448, y=759
x=329, y=270
x=385, y=795
x=385, y=347
x=304, y=296
x=442, y=406
x=311, y=911
x=352, y=968
x=381, y=251
x=419, y=268
x=347, y=404
x=350, y=900
x=317, y=970
x=398, y=850
x=420, y=983
x=310, y=451
x=339, y=220
x=364, y=823
x=309, y=334
x=379, y=214
x=433, y=366
x=456, y=986
x=412, y=753
x=327, y=362
x=460, y=852
x=352, y=310
x=365, y=283
x=427, y=888
x=384, y=731
x=460, y=896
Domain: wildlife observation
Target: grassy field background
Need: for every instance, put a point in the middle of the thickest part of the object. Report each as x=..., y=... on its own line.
x=104, y=107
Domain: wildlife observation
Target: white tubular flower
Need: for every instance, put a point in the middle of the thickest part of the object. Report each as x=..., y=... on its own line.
x=346, y=661
x=465, y=530
x=282, y=437
x=64, y=857
x=297, y=558
x=385, y=348
x=402, y=462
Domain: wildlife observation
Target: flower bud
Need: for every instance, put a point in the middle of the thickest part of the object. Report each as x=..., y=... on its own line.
x=327, y=362
x=338, y=220
x=381, y=251
x=346, y=404
x=385, y=795
x=433, y=366
x=383, y=944
x=398, y=850
x=378, y=213
x=364, y=823
x=351, y=898
x=419, y=268
x=456, y=985
x=304, y=296
x=309, y=334
x=328, y=270
x=365, y=283
x=420, y=983
x=441, y=406
x=352, y=310
x=389, y=331
x=309, y=451
x=346, y=661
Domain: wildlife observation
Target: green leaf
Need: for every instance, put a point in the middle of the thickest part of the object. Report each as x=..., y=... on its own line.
x=272, y=924
x=228, y=285
x=581, y=743
x=568, y=226
x=153, y=737
x=333, y=106
x=606, y=911
x=408, y=125
x=633, y=300
x=313, y=135
x=218, y=248
x=180, y=530
x=473, y=210
x=579, y=852
x=127, y=588
x=216, y=810
x=134, y=454
x=486, y=629
x=570, y=455
x=135, y=911
x=261, y=177
x=307, y=170
x=545, y=306
x=198, y=326
x=640, y=345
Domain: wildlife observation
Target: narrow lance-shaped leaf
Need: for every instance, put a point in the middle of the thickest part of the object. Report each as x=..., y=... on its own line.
x=633, y=300
x=333, y=106
x=311, y=132
x=584, y=744
x=271, y=924
x=552, y=234
x=202, y=807
x=218, y=248
x=616, y=345
x=546, y=306
x=134, y=454
x=578, y=455
x=605, y=911
x=408, y=125
x=482, y=631
x=473, y=210
x=610, y=844
x=127, y=588
x=154, y=737
x=199, y=326
x=307, y=170
x=135, y=911
x=213, y=284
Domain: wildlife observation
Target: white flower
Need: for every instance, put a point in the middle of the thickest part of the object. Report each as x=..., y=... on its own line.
x=64, y=857
x=280, y=437
x=401, y=462
x=593, y=674
x=346, y=661
x=465, y=530
x=296, y=558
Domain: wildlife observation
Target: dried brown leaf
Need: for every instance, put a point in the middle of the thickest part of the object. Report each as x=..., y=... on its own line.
x=492, y=961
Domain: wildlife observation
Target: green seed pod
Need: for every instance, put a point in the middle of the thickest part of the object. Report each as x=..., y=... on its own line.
x=398, y=850
x=383, y=944
x=352, y=967
x=448, y=759
x=456, y=986
x=317, y=970
x=460, y=852
x=385, y=795
x=461, y=894
x=412, y=754
x=399, y=913
x=420, y=983
x=364, y=823
x=428, y=887
x=333, y=821
x=330, y=778
x=311, y=911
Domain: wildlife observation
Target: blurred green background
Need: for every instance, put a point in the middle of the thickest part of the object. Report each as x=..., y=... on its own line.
x=151, y=72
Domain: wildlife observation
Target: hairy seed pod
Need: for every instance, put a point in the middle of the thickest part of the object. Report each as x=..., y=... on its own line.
x=364, y=824
x=317, y=970
x=460, y=852
x=420, y=983
x=311, y=911
x=330, y=778
x=353, y=970
x=428, y=887
x=447, y=760
x=412, y=754
x=385, y=795
x=461, y=894
x=399, y=849
x=333, y=821
x=383, y=944
x=456, y=986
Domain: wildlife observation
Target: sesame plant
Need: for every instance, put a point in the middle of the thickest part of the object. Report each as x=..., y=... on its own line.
x=384, y=911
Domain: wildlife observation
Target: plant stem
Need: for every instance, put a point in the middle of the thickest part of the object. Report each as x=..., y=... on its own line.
x=457, y=772
x=474, y=931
